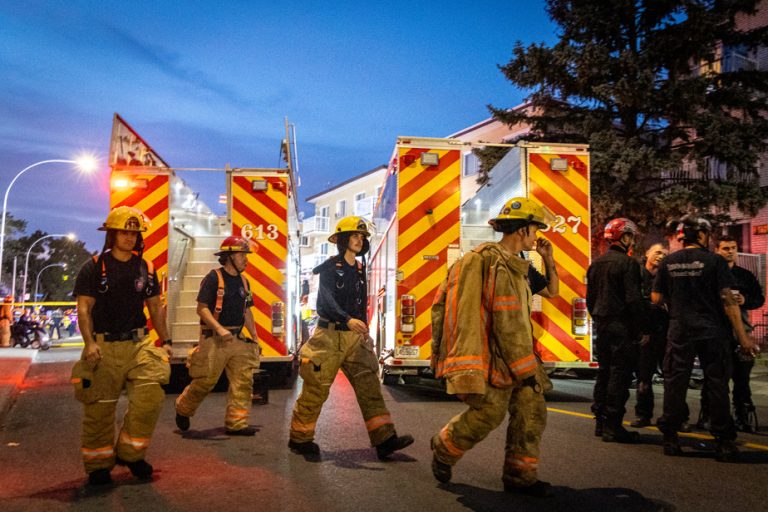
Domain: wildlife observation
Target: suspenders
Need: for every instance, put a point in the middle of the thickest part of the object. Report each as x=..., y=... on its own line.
x=220, y=293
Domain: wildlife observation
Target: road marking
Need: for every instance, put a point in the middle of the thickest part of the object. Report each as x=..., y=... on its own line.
x=70, y=344
x=693, y=435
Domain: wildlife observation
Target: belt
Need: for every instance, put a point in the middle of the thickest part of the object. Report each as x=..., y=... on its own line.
x=133, y=335
x=234, y=330
x=336, y=326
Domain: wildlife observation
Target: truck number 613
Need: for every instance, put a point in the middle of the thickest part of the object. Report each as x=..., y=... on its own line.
x=251, y=232
x=561, y=224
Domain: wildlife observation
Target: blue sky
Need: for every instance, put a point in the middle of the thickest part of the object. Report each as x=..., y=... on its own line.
x=209, y=83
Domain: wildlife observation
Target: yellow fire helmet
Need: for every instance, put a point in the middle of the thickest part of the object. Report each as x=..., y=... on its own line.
x=351, y=224
x=521, y=208
x=126, y=218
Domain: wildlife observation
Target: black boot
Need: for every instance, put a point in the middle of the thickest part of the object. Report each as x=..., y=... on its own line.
x=618, y=434
x=247, y=431
x=726, y=451
x=393, y=444
x=538, y=489
x=703, y=423
x=305, y=448
x=99, y=477
x=599, y=426
x=440, y=470
x=182, y=422
x=141, y=469
x=672, y=444
x=742, y=418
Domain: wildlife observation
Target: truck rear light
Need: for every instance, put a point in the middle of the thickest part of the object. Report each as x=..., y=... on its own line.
x=407, y=313
x=278, y=317
x=579, y=322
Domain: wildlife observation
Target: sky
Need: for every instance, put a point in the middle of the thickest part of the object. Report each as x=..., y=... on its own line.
x=209, y=83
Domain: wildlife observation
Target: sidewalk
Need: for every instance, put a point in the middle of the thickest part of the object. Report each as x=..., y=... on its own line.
x=14, y=364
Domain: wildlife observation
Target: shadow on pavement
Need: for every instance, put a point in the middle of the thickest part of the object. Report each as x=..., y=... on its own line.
x=563, y=498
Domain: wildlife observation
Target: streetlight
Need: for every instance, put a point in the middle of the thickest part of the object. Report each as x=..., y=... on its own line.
x=37, y=281
x=84, y=164
x=70, y=236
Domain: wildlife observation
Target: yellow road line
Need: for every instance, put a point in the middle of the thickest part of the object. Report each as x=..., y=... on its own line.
x=693, y=435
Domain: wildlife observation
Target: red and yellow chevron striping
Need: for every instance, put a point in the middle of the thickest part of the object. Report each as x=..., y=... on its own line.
x=261, y=215
x=566, y=194
x=429, y=214
x=153, y=201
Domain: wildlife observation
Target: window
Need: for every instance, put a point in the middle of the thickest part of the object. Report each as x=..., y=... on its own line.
x=324, y=211
x=359, y=196
x=341, y=208
x=324, y=249
x=304, y=241
x=471, y=164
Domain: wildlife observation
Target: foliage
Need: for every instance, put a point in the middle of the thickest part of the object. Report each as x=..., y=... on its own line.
x=643, y=83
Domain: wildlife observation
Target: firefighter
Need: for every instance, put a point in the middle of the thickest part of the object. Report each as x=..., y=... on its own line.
x=485, y=352
x=111, y=292
x=6, y=318
x=615, y=301
x=341, y=341
x=224, y=306
x=704, y=316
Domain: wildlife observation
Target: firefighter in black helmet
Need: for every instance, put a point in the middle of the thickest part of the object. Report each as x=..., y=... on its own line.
x=704, y=316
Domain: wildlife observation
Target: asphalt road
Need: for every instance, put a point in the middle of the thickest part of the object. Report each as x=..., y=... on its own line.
x=206, y=470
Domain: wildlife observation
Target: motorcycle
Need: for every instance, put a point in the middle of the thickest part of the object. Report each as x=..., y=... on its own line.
x=29, y=334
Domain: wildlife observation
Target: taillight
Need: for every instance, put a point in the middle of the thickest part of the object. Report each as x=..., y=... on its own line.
x=579, y=321
x=407, y=313
x=278, y=317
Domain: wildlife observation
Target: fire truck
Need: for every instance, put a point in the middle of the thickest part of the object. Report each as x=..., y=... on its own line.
x=431, y=210
x=185, y=233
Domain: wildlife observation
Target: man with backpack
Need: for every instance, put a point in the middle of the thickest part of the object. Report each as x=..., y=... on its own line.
x=482, y=344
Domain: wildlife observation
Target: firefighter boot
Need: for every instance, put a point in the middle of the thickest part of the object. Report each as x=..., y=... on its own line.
x=599, y=426
x=247, y=431
x=305, y=448
x=182, y=422
x=141, y=469
x=640, y=422
x=618, y=434
x=672, y=444
x=537, y=489
x=726, y=451
x=99, y=477
x=703, y=422
x=393, y=444
x=742, y=418
x=441, y=471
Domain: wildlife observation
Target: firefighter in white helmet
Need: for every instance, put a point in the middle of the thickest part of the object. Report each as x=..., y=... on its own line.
x=111, y=292
x=483, y=346
x=224, y=305
x=341, y=341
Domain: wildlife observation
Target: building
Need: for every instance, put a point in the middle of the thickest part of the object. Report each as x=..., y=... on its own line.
x=356, y=196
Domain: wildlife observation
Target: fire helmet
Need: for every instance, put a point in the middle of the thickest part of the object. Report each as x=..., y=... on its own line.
x=524, y=209
x=126, y=218
x=689, y=227
x=234, y=244
x=351, y=224
x=618, y=227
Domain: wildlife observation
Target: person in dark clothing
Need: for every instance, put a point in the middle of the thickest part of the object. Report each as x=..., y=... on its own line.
x=704, y=316
x=615, y=301
x=341, y=341
x=548, y=284
x=652, y=352
x=748, y=295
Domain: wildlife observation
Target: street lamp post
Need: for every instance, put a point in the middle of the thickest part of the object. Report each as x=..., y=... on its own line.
x=85, y=164
x=37, y=281
x=71, y=236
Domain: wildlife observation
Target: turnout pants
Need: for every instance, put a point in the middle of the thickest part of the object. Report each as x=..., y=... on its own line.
x=527, y=420
x=716, y=362
x=649, y=357
x=617, y=356
x=327, y=351
x=139, y=368
x=206, y=362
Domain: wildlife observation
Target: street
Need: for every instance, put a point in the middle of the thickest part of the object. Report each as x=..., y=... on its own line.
x=207, y=470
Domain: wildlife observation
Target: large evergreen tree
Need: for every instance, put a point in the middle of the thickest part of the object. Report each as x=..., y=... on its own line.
x=643, y=82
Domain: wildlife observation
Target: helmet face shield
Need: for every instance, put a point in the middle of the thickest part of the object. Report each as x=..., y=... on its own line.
x=234, y=244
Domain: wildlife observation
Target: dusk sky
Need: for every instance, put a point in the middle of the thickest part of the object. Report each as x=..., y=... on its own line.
x=209, y=83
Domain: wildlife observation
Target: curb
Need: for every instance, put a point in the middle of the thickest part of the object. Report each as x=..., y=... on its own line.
x=14, y=365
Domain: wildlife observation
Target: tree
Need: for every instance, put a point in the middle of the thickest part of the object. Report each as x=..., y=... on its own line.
x=644, y=83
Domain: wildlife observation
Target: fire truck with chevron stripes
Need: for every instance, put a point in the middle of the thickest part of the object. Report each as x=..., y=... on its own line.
x=185, y=233
x=430, y=212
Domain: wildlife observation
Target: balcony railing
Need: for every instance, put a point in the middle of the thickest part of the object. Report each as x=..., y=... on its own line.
x=313, y=225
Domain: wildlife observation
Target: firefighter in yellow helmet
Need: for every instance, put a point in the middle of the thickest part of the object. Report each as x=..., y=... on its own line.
x=111, y=292
x=490, y=363
x=341, y=341
x=224, y=305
